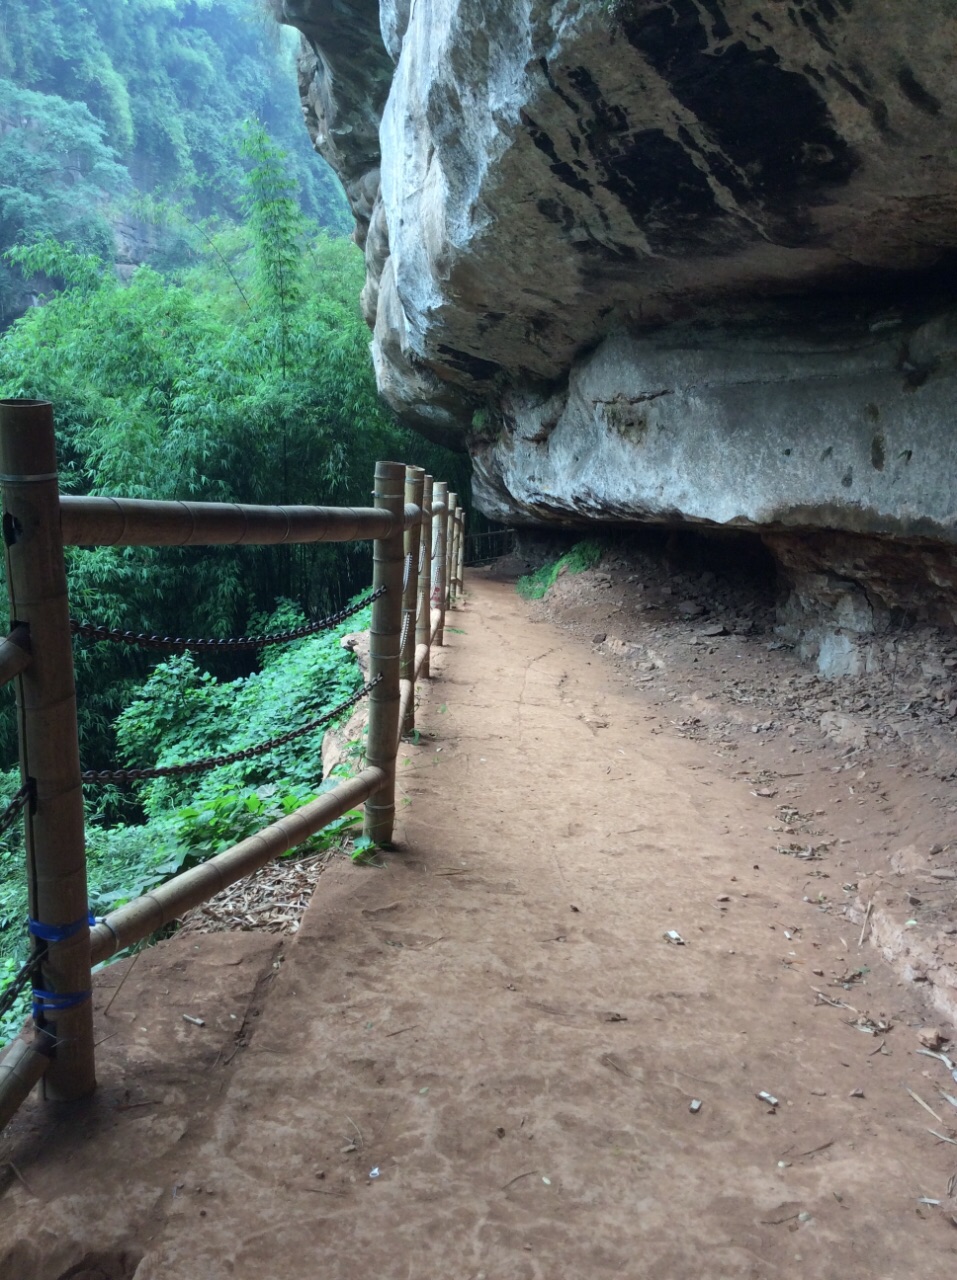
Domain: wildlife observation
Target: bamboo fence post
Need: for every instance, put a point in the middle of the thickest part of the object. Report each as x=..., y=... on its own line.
x=450, y=551
x=49, y=751
x=456, y=549
x=460, y=552
x=440, y=499
x=423, y=620
x=414, y=483
x=384, y=636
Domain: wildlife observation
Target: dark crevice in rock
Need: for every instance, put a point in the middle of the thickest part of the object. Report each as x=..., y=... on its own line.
x=562, y=170
x=477, y=368
x=915, y=92
x=730, y=91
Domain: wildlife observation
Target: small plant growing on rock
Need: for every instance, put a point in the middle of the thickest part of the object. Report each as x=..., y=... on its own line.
x=582, y=556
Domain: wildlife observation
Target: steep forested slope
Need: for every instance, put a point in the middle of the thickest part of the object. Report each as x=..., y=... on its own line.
x=105, y=100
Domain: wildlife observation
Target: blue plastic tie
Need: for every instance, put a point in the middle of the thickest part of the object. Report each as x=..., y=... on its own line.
x=58, y=932
x=56, y=1001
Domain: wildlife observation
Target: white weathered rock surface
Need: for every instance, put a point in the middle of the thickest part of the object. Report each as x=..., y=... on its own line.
x=660, y=259
x=767, y=430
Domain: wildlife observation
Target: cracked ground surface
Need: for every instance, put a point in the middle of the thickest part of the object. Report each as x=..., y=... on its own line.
x=479, y=1060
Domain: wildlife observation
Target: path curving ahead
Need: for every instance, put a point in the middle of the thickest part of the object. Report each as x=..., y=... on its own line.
x=479, y=1060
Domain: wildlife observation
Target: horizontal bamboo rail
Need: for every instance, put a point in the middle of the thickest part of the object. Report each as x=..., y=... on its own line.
x=15, y=653
x=144, y=916
x=140, y=522
x=23, y=1066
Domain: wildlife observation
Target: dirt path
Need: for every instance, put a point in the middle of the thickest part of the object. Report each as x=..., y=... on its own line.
x=479, y=1060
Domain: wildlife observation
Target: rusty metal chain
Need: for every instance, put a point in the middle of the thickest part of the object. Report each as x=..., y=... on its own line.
x=216, y=762
x=407, y=619
x=12, y=992
x=19, y=801
x=167, y=644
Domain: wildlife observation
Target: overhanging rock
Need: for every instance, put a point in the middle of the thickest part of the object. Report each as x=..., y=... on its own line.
x=660, y=259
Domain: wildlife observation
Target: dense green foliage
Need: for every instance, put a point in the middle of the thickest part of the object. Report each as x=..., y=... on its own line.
x=179, y=714
x=244, y=377
x=247, y=378
x=582, y=556
x=103, y=98
x=56, y=172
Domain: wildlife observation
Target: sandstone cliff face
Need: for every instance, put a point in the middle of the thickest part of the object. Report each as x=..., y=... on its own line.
x=662, y=259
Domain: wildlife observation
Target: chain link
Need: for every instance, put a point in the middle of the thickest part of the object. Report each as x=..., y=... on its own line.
x=12, y=992
x=18, y=802
x=407, y=619
x=167, y=644
x=216, y=762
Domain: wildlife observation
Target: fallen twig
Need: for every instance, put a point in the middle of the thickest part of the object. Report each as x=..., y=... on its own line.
x=920, y=1102
x=119, y=985
x=867, y=916
x=610, y=1060
x=814, y=1150
x=835, y=1004
x=359, y=1131
x=943, y=1138
x=518, y=1177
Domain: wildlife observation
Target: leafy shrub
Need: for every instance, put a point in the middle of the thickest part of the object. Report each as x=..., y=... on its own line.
x=582, y=556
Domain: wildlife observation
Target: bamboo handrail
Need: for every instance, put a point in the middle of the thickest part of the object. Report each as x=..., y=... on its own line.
x=24, y=1065
x=143, y=916
x=142, y=522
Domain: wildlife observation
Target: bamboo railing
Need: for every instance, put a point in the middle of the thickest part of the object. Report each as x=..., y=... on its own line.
x=416, y=529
